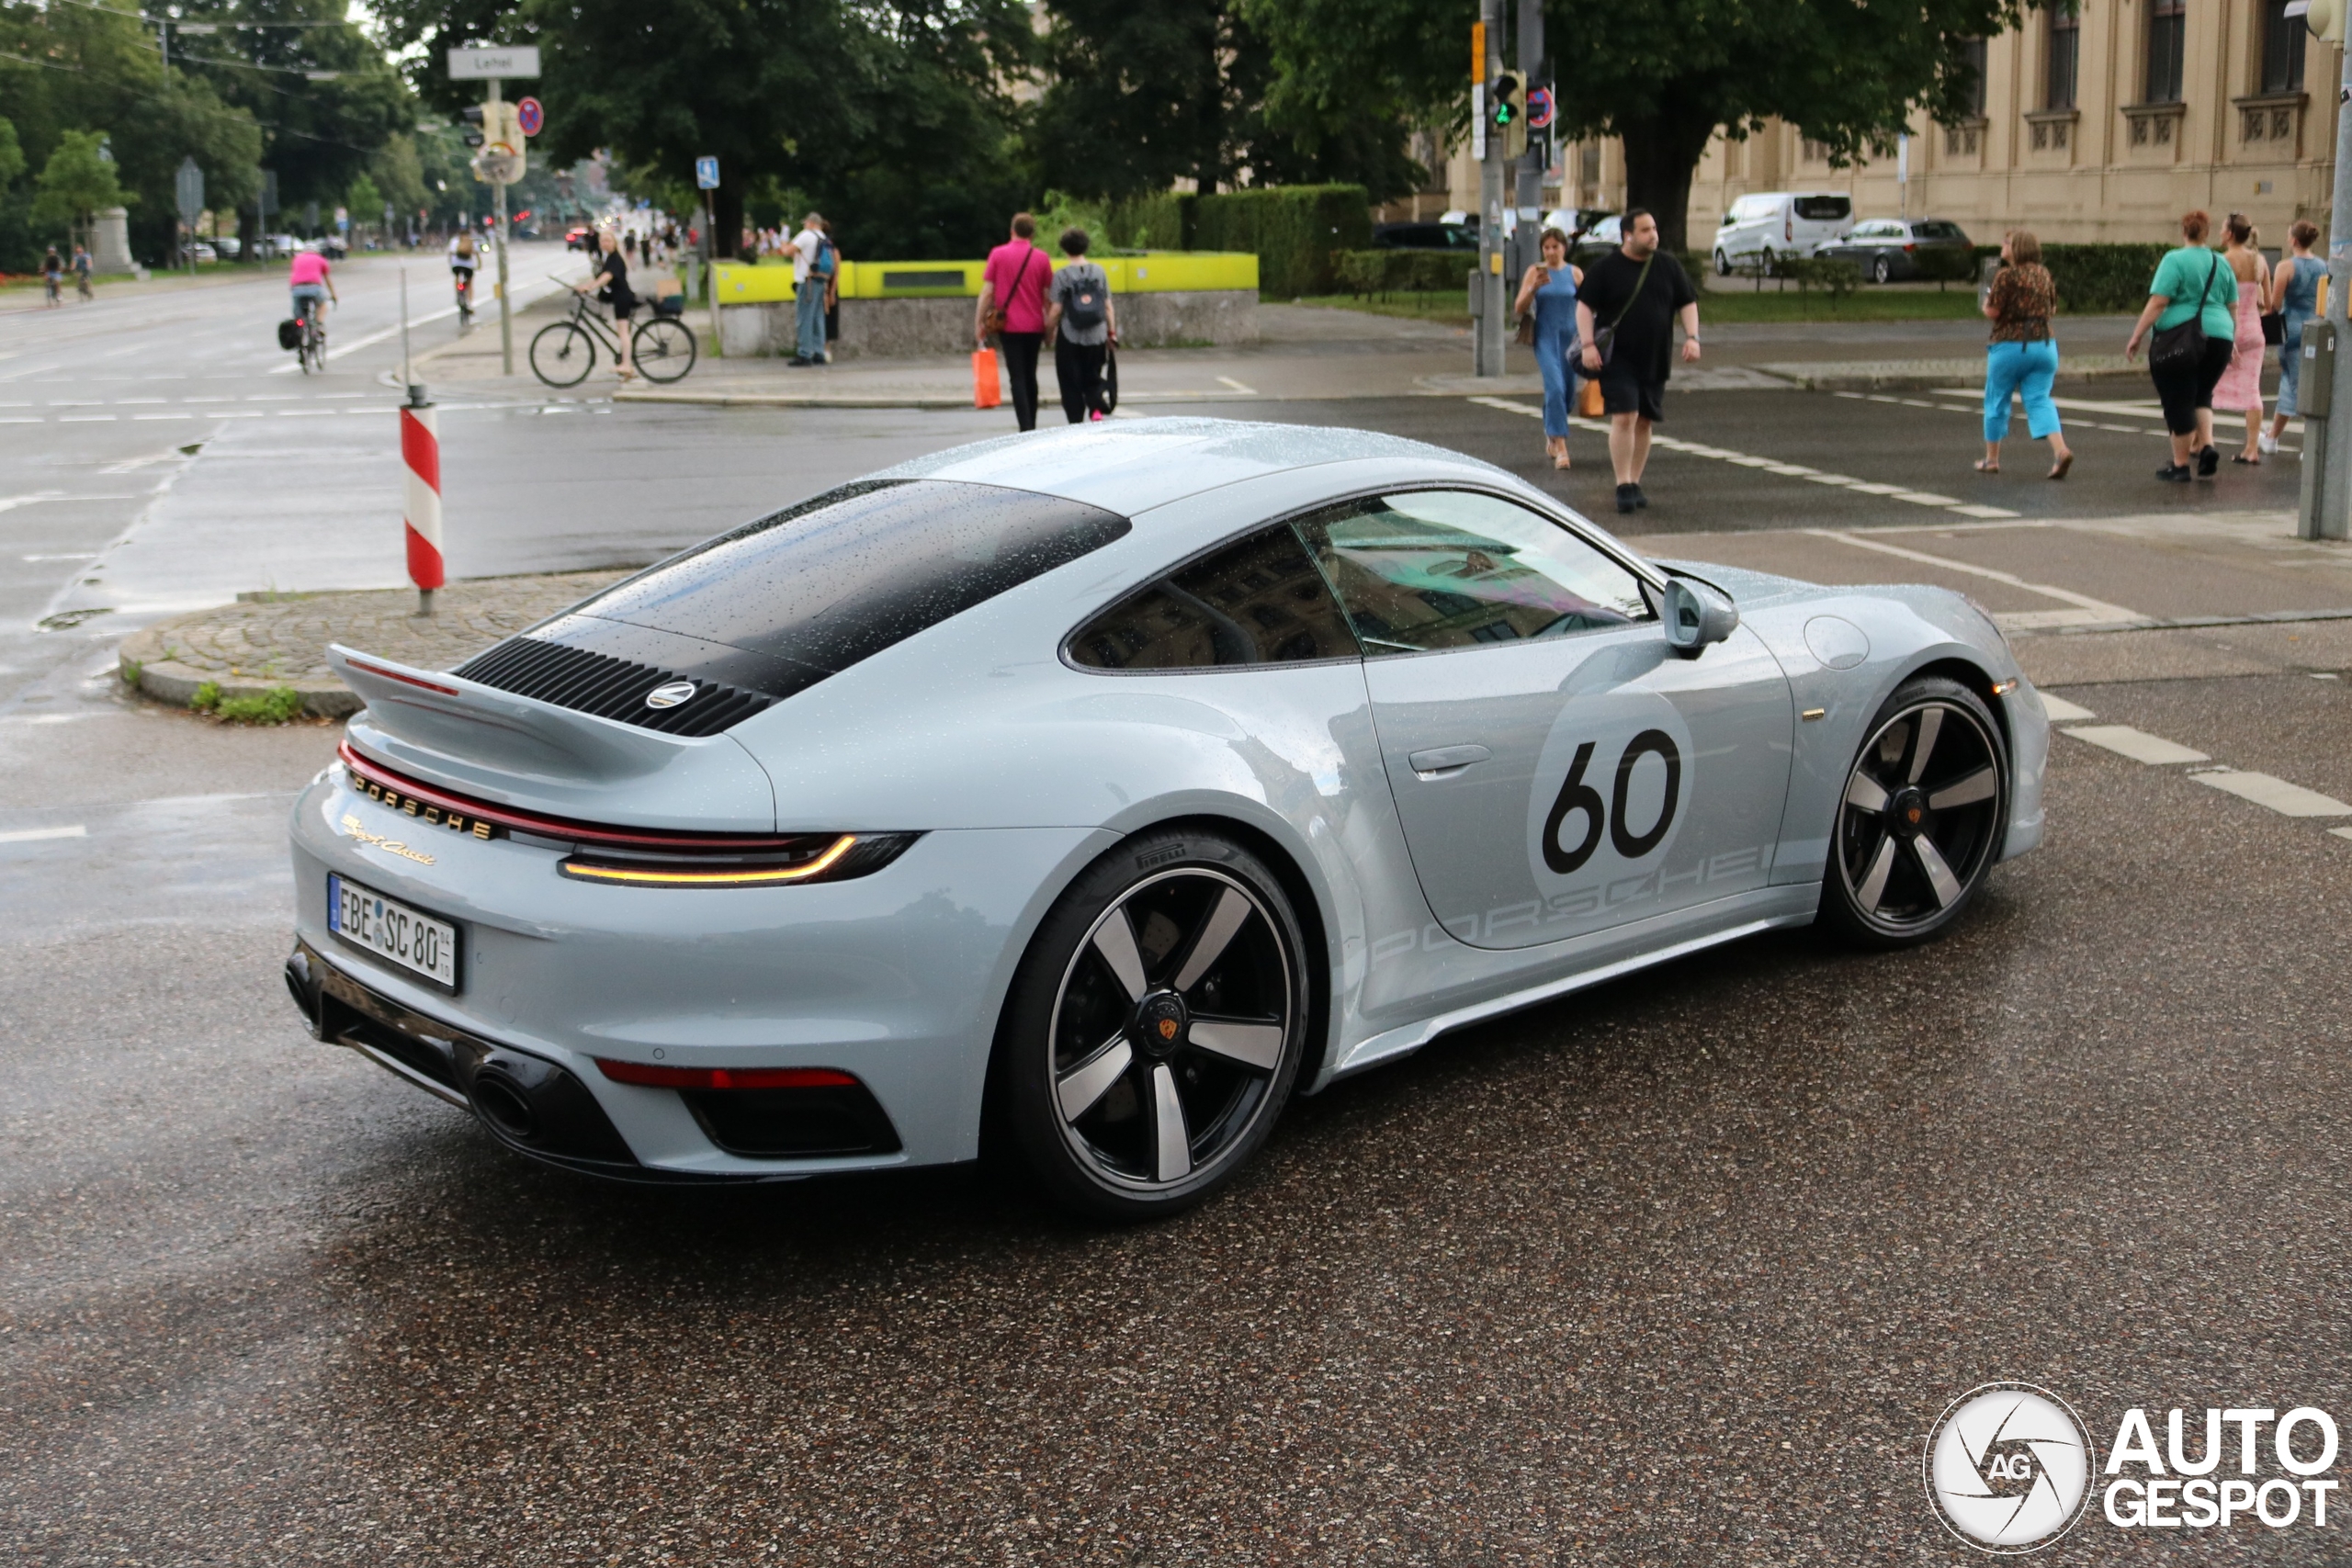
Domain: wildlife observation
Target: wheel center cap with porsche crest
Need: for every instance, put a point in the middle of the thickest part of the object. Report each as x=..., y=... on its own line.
x=1160, y=1018
x=1907, y=811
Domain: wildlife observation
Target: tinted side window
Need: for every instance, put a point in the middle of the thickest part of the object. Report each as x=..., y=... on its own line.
x=1257, y=601
x=1424, y=569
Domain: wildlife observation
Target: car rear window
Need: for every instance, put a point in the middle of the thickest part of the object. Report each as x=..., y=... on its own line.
x=1825, y=209
x=847, y=574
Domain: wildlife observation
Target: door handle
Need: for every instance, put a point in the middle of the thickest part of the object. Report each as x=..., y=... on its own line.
x=1442, y=762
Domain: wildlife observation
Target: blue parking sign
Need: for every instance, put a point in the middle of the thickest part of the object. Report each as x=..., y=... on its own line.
x=706, y=173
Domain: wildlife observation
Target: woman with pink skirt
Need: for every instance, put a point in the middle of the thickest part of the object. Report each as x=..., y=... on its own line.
x=2240, y=387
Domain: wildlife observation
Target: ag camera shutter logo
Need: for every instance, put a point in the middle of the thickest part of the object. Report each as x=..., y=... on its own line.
x=2009, y=1467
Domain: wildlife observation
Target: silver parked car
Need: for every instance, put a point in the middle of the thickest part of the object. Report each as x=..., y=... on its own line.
x=1099, y=790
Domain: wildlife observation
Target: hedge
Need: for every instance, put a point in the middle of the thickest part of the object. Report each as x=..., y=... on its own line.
x=2098, y=279
x=1296, y=232
x=1406, y=271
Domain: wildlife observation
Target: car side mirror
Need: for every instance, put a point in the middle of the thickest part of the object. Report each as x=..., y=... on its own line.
x=1696, y=616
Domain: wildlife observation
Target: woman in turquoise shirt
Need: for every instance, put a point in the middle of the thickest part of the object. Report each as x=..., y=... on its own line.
x=2190, y=281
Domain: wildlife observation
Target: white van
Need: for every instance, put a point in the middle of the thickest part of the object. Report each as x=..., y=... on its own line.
x=1773, y=224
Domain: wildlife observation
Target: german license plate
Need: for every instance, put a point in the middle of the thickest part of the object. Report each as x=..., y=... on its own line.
x=390, y=930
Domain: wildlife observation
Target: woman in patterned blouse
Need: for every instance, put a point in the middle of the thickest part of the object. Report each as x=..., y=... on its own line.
x=2023, y=358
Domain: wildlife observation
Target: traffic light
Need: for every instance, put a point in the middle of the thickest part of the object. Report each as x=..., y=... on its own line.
x=1506, y=112
x=471, y=115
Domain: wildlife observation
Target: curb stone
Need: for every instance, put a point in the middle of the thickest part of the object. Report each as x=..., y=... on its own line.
x=261, y=644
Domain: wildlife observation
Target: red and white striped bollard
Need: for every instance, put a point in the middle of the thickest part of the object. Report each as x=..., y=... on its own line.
x=421, y=455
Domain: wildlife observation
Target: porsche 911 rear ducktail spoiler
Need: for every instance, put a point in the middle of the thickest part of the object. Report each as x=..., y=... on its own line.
x=446, y=729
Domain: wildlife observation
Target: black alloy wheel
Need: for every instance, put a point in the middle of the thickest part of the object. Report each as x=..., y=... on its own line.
x=1920, y=820
x=562, y=354
x=1154, y=1027
x=663, y=349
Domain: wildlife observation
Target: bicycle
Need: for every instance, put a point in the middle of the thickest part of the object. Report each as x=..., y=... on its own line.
x=464, y=284
x=563, y=352
x=311, y=337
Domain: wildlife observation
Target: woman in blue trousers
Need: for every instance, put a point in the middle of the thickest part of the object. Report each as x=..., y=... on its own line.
x=1550, y=290
x=2023, y=358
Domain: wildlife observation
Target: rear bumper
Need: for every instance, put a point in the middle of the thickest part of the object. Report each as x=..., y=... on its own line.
x=534, y=1106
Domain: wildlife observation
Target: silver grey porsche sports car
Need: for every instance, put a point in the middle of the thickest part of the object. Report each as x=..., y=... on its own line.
x=1104, y=788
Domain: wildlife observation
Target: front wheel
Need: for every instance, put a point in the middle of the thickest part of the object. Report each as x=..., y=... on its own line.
x=1919, y=822
x=562, y=354
x=1723, y=265
x=663, y=349
x=1155, y=1026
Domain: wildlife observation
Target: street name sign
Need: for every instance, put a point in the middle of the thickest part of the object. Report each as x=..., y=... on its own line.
x=492, y=64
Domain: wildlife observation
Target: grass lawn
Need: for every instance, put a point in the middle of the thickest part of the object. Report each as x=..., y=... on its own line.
x=1734, y=303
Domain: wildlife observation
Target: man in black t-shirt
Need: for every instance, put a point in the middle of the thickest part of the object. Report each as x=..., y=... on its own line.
x=1634, y=294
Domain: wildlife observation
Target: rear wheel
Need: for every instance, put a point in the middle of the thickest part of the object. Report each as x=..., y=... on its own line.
x=663, y=349
x=562, y=354
x=1769, y=263
x=1881, y=271
x=1919, y=822
x=1155, y=1026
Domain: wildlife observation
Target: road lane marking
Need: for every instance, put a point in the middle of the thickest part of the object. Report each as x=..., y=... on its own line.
x=2061, y=711
x=2136, y=744
x=2287, y=799
x=1769, y=464
x=2088, y=612
x=40, y=835
x=1252, y=391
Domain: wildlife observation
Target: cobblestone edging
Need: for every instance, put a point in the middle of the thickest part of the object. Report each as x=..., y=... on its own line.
x=256, y=645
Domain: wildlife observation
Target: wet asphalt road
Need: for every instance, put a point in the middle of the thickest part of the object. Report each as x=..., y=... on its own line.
x=1681, y=1269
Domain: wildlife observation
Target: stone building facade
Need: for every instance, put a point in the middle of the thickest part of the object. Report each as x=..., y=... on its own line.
x=2104, y=124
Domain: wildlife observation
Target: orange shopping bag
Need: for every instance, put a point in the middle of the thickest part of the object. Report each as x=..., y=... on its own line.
x=1589, y=403
x=985, y=394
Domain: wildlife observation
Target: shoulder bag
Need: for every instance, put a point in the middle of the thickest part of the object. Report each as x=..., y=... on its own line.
x=2179, y=347
x=992, y=322
x=1604, y=339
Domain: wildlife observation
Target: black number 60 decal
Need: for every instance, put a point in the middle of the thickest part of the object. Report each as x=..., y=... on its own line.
x=1581, y=798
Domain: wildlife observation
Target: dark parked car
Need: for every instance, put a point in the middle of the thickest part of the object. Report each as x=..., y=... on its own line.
x=1888, y=249
x=1426, y=237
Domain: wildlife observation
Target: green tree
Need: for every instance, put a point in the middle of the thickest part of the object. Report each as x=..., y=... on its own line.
x=1664, y=75
x=77, y=183
x=1144, y=93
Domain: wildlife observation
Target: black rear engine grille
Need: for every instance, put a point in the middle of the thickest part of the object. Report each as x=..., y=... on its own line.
x=608, y=687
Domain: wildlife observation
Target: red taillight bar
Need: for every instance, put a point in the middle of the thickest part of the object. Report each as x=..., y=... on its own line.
x=725, y=1077
x=557, y=827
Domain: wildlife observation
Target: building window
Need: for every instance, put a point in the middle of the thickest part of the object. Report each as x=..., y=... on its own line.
x=2065, y=49
x=1972, y=54
x=2167, y=38
x=2282, y=49
x=1816, y=152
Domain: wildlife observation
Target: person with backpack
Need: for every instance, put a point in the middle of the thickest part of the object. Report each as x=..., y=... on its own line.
x=1079, y=316
x=52, y=276
x=2193, y=310
x=813, y=266
x=1012, y=309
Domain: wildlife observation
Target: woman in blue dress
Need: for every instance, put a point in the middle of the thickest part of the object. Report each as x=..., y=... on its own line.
x=2294, y=294
x=1550, y=290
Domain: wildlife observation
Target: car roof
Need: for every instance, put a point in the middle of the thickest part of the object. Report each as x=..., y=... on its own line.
x=1133, y=465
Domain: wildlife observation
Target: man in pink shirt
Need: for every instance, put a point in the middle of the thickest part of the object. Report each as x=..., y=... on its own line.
x=311, y=282
x=1012, y=307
